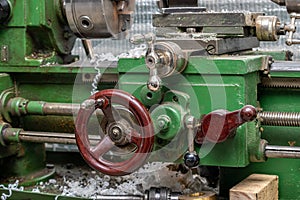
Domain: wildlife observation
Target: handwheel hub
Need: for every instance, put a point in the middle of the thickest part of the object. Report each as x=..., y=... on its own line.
x=117, y=133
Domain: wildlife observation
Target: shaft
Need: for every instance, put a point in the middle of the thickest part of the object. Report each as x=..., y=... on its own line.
x=19, y=135
x=282, y=152
x=129, y=197
x=280, y=118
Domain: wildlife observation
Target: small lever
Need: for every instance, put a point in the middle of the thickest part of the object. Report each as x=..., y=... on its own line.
x=291, y=29
x=152, y=59
x=218, y=125
x=191, y=158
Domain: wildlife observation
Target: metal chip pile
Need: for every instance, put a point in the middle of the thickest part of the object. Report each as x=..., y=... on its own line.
x=83, y=182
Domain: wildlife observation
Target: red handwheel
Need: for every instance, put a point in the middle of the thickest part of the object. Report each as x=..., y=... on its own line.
x=118, y=132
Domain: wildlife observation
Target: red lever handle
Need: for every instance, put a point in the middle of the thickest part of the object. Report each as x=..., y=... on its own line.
x=218, y=125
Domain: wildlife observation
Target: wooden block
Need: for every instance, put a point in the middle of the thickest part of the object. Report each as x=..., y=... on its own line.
x=256, y=187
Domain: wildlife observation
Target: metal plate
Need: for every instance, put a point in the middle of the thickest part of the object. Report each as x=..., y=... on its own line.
x=205, y=19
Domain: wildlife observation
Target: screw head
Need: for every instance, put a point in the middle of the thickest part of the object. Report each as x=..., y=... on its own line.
x=211, y=49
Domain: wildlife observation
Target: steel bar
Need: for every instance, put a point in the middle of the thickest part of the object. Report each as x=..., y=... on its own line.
x=285, y=66
x=120, y=197
x=280, y=118
x=61, y=109
x=282, y=152
x=58, y=109
x=48, y=137
x=205, y=19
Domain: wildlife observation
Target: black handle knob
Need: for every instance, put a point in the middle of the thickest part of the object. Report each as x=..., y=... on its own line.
x=191, y=159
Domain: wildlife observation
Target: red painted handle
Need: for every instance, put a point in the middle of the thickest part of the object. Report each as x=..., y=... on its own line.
x=218, y=125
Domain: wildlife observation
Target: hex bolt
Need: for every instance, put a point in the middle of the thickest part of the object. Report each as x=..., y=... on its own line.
x=116, y=131
x=163, y=122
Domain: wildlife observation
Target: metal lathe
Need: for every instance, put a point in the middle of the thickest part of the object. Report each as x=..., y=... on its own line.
x=200, y=97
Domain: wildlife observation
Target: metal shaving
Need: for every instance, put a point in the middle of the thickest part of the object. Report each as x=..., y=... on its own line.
x=84, y=182
x=10, y=188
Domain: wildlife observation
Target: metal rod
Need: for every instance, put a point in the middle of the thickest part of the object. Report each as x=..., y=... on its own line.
x=44, y=137
x=61, y=109
x=19, y=106
x=280, y=118
x=102, y=197
x=272, y=151
x=48, y=137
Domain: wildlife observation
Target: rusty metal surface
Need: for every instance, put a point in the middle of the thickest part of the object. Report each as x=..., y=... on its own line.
x=216, y=46
x=63, y=109
x=234, y=19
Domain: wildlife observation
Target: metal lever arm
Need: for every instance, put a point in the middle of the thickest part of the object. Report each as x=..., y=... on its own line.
x=151, y=59
x=218, y=125
x=291, y=29
x=163, y=59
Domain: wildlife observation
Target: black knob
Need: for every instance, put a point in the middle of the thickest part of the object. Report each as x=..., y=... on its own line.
x=191, y=159
x=4, y=11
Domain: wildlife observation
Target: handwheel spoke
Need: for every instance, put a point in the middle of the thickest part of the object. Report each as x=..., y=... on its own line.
x=135, y=137
x=102, y=147
x=110, y=113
